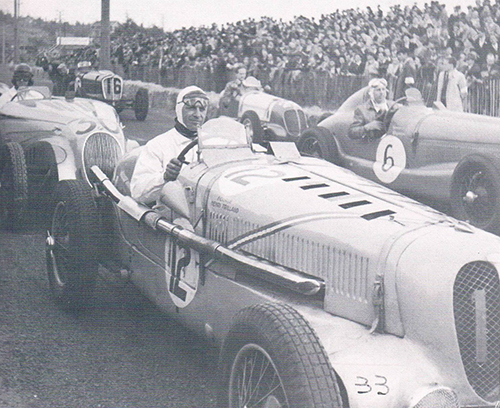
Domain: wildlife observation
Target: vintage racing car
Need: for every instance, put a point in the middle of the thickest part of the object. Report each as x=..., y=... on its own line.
x=431, y=154
x=106, y=86
x=321, y=288
x=44, y=139
x=266, y=117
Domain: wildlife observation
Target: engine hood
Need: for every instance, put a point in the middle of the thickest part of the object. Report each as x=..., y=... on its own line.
x=318, y=219
x=428, y=123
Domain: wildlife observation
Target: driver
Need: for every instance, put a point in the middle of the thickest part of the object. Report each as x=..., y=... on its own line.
x=157, y=163
x=369, y=117
x=21, y=78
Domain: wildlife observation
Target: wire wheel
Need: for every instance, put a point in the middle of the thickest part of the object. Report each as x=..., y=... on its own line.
x=72, y=245
x=254, y=380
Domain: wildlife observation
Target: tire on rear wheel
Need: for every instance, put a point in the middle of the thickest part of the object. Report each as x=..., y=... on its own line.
x=73, y=244
x=272, y=355
x=141, y=104
x=318, y=142
x=13, y=186
x=475, y=193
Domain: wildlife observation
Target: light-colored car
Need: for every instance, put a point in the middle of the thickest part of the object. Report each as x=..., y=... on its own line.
x=321, y=288
x=45, y=139
x=266, y=117
x=432, y=154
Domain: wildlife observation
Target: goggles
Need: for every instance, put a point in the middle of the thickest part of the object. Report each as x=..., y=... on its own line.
x=191, y=103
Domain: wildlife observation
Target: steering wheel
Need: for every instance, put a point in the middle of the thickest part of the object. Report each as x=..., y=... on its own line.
x=392, y=111
x=182, y=155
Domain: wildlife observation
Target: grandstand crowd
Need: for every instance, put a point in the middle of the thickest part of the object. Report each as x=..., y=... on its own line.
x=346, y=42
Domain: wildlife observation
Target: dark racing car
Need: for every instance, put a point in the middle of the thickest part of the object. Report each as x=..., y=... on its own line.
x=106, y=86
x=431, y=154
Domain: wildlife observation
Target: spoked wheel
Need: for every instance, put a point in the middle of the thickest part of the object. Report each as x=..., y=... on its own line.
x=317, y=142
x=475, y=193
x=272, y=358
x=72, y=245
x=255, y=381
x=13, y=186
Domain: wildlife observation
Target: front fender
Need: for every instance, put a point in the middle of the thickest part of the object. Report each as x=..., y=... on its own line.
x=63, y=153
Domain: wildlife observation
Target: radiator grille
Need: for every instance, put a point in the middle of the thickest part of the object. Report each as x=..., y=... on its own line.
x=103, y=150
x=476, y=302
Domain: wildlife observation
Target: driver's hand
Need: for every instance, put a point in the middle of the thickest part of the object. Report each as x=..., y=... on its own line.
x=374, y=125
x=172, y=170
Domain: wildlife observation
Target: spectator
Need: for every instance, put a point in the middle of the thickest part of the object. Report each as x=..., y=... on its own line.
x=405, y=74
x=451, y=86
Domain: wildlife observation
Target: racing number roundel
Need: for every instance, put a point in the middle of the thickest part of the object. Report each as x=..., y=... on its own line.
x=390, y=159
x=182, y=266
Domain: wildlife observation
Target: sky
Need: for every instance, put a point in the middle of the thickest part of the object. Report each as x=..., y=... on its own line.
x=173, y=14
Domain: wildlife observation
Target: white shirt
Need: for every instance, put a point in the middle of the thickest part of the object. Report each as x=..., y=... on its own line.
x=147, y=180
x=456, y=91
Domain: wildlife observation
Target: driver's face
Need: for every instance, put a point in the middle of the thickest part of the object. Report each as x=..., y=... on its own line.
x=194, y=115
x=379, y=93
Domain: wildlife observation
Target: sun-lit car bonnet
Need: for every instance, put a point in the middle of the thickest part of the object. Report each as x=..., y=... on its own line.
x=107, y=115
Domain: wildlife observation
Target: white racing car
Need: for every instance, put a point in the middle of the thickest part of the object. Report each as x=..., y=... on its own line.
x=322, y=289
x=266, y=117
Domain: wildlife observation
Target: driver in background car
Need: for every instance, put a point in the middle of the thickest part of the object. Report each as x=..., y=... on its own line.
x=158, y=163
x=22, y=77
x=369, y=117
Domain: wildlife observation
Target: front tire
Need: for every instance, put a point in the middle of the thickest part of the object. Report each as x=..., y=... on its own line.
x=253, y=126
x=273, y=358
x=72, y=245
x=13, y=186
x=141, y=104
x=318, y=142
x=475, y=193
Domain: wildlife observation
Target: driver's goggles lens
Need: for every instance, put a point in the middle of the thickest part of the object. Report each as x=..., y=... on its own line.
x=196, y=103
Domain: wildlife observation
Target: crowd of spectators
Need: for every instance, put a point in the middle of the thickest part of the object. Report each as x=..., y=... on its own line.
x=345, y=42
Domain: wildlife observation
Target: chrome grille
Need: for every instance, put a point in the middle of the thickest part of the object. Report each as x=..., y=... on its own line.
x=440, y=398
x=103, y=150
x=476, y=303
x=294, y=122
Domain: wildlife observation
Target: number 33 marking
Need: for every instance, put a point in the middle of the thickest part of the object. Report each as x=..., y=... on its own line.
x=380, y=385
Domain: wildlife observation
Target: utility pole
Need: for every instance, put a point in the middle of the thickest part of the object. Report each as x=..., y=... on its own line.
x=3, y=43
x=105, y=53
x=16, y=31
